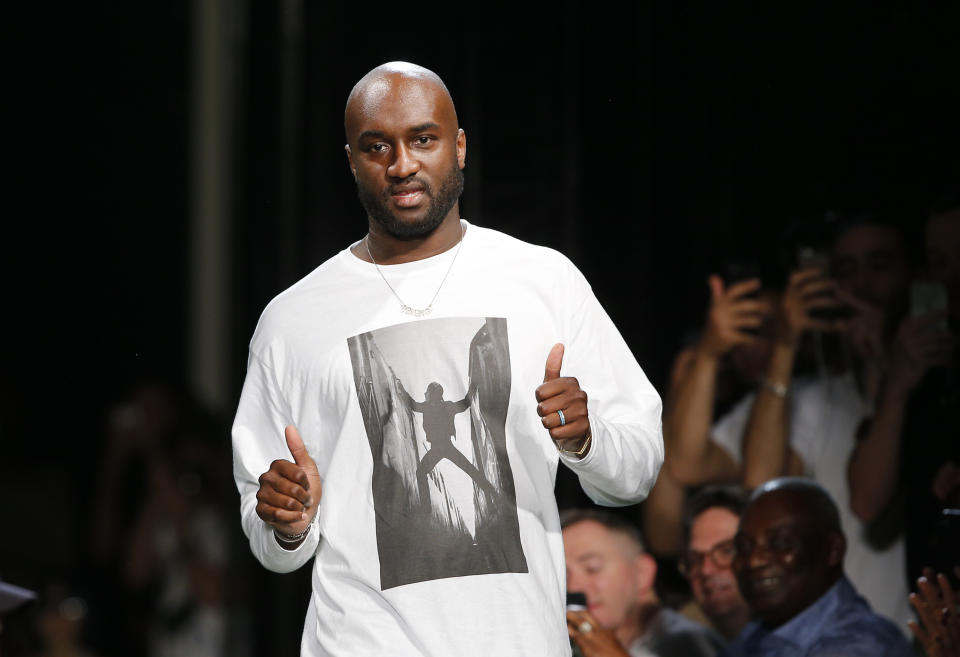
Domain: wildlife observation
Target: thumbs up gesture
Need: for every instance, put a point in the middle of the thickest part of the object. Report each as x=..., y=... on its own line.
x=562, y=406
x=289, y=493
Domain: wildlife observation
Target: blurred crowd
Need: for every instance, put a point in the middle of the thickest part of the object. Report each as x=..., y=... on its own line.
x=156, y=577
x=829, y=357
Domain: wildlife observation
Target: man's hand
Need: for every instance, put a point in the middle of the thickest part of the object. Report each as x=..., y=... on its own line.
x=732, y=313
x=807, y=290
x=562, y=394
x=939, y=628
x=920, y=345
x=593, y=640
x=289, y=494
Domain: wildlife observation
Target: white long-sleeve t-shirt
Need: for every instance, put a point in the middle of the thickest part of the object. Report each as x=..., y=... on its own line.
x=437, y=532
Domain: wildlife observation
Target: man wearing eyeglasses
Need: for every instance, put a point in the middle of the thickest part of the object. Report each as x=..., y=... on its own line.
x=710, y=523
x=606, y=561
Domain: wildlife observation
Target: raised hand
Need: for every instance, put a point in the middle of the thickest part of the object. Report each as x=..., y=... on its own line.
x=570, y=427
x=289, y=493
x=939, y=628
x=921, y=343
x=733, y=312
x=807, y=290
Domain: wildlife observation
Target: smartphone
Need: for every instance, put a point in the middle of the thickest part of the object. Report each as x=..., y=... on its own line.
x=576, y=601
x=945, y=542
x=927, y=297
x=734, y=271
x=809, y=257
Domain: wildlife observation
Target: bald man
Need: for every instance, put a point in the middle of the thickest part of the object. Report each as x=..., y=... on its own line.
x=432, y=533
x=789, y=565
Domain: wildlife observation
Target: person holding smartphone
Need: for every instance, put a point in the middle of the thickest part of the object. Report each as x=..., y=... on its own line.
x=911, y=442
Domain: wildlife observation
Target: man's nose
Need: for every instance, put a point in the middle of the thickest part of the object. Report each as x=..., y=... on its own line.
x=708, y=567
x=404, y=164
x=759, y=556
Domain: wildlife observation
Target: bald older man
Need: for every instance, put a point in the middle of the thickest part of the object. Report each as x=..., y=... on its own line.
x=432, y=533
x=789, y=565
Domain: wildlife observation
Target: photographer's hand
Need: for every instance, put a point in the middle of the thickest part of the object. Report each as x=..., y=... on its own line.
x=732, y=313
x=807, y=291
x=921, y=344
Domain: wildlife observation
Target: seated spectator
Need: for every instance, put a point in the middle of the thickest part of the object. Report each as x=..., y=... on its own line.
x=789, y=564
x=606, y=561
x=711, y=519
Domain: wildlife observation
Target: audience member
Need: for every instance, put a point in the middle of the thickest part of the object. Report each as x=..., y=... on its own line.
x=707, y=379
x=161, y=540
x=810, y=428
x=607, y=562
x=711, y=519
x=789, y=565
x=911, y=443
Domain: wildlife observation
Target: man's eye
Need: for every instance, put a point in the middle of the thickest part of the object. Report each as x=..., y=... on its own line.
x=377, y=148
x=725, y=550
x=422, y=140
x=784, y=542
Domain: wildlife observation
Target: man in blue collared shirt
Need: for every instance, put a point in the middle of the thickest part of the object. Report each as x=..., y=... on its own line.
x=789, y=566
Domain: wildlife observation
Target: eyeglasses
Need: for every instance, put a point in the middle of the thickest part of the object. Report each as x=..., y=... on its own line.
x=721, y=555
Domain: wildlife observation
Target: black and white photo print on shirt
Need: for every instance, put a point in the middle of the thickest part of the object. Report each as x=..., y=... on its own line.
x=434, y=396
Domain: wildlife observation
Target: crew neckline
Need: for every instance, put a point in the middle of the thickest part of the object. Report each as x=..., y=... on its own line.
x=423, y=264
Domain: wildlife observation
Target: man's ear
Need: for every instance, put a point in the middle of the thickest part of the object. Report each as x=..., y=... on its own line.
x=646, y=571
x=353, y=169
x=461, y=148
x=836, y=548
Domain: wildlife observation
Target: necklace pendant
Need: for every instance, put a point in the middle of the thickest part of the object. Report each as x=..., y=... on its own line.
x=416, y=312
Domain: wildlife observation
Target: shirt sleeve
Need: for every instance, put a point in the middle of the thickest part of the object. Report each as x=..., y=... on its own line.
x=626, y=451
x=258, y=440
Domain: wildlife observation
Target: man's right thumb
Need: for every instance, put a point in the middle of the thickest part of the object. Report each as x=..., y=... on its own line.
x=296, y=447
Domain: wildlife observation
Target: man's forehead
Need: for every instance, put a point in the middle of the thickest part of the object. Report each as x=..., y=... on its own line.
x=715, y=522
x=775, y=510
x=598, y=538
x=398, y=97
x=868, y=238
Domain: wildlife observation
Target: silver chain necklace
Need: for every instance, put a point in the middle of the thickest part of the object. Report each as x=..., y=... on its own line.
x=404, y=308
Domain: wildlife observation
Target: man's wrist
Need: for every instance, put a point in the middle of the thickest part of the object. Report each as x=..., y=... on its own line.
x=707, y=351
x=580, y=450
x=292, y=541
x=777, y=388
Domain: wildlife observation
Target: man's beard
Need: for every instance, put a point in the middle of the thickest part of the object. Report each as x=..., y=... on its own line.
x=377, y=207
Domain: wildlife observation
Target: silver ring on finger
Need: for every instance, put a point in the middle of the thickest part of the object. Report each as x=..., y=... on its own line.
x=563, y=420
x=585, y=627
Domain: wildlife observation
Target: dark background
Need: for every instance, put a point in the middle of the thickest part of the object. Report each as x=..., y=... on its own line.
x=646, y=141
